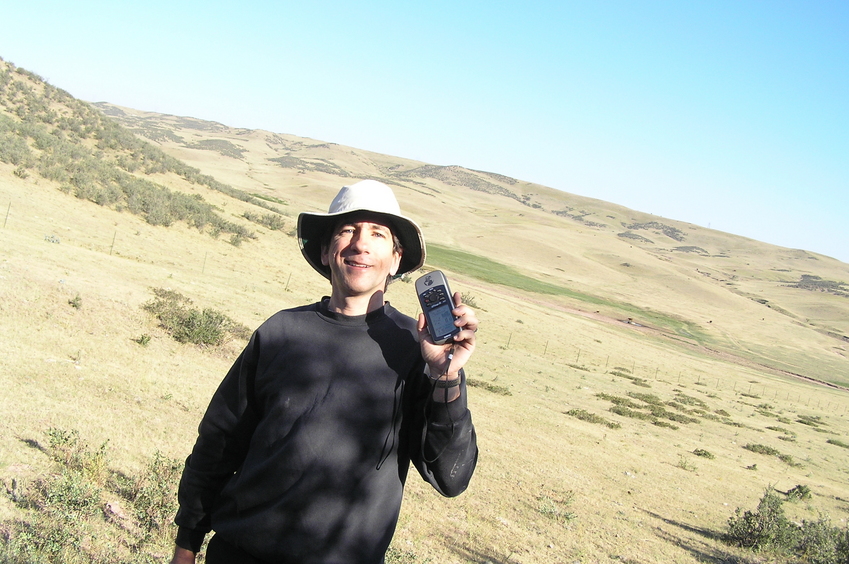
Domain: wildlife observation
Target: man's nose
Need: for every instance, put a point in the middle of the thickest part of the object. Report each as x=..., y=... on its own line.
x=359, y=241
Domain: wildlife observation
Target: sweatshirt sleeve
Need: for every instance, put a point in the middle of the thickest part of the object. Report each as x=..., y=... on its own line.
x=224, y=434
x=448, y=452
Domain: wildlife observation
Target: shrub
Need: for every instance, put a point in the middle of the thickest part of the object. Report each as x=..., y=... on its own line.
x=810, y=420
x=689, y=400
x=650, y=399
x=632, y=413
x=703, y=453
x=684, y=464
x=470, y=300
x=765, y=528
x=762, y=449
x=489, y=387
x=816, y=542
x=555, y=507
x=187, y=324
x=799, y=492
x=155, y=497
x=272, y=221
x=665, y=424
x=584, y=415
x=618, y=400
x=66, y=448
x=74, y=515
x=820, y=543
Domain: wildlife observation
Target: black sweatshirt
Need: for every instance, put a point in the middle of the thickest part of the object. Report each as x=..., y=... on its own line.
x=303, y=452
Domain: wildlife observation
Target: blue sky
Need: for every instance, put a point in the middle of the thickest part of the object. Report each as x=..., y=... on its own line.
x=732, y=115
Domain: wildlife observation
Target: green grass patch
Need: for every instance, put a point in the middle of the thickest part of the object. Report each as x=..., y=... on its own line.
x=489, y=387
x=768, y=530
x=584, y=415
x=650, y=399
x=618, y=400
x=689, y=400
x=810, y=420
x=488, y=270
x=634, y=379
x=82, y=511
x=769, y=451
x=188, y=324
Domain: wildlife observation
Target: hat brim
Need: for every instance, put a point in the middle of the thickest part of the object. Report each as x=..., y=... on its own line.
x=312, y=228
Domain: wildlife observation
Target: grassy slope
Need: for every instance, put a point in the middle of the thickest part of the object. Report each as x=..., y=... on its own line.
x=637, y=493
x=732, y=296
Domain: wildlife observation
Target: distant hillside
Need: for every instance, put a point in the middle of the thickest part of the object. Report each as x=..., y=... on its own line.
x=683, y=279
x=635, y=378
x=707, y=289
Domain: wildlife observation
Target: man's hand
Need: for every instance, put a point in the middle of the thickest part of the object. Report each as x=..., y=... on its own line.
x=183, y=556
x=463, y=343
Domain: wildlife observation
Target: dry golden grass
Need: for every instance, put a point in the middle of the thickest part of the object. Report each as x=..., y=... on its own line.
x=549, y=488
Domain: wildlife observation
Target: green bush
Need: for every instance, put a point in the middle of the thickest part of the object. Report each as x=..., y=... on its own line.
x=154, y=502
x=584, y=415
x=767, y=529
x=74, y=515
x=762, y=449
x=837, y=443
x=489, y=387
x=799, y=492
x=632, y=413
x=187, y=324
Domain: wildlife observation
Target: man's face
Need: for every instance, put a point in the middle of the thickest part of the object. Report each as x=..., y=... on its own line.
x=360, y=255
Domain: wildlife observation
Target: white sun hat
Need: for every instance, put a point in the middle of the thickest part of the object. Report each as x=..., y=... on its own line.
x=364, y=196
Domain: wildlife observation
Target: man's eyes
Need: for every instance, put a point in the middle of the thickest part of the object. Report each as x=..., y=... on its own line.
x=374, y=232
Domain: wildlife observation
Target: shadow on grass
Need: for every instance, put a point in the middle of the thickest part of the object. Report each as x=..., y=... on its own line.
x=701, y=549
x=32, y=443
x=478, y=556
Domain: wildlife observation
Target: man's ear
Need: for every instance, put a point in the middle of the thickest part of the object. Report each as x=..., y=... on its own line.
x=325, y=259
x=396, y=262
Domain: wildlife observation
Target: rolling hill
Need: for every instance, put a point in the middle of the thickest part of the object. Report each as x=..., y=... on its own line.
x=580, y=300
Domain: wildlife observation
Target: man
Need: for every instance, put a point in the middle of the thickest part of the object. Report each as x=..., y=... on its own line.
x=304, y=450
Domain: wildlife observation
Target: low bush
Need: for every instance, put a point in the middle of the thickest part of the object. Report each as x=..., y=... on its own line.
x=584, y=415
x=188, y=324
x=767, y=529
x=762, y=529
x=799, y=492
x=84, y=512
x=769, y=451
x=489, y=387
x=555, y=506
